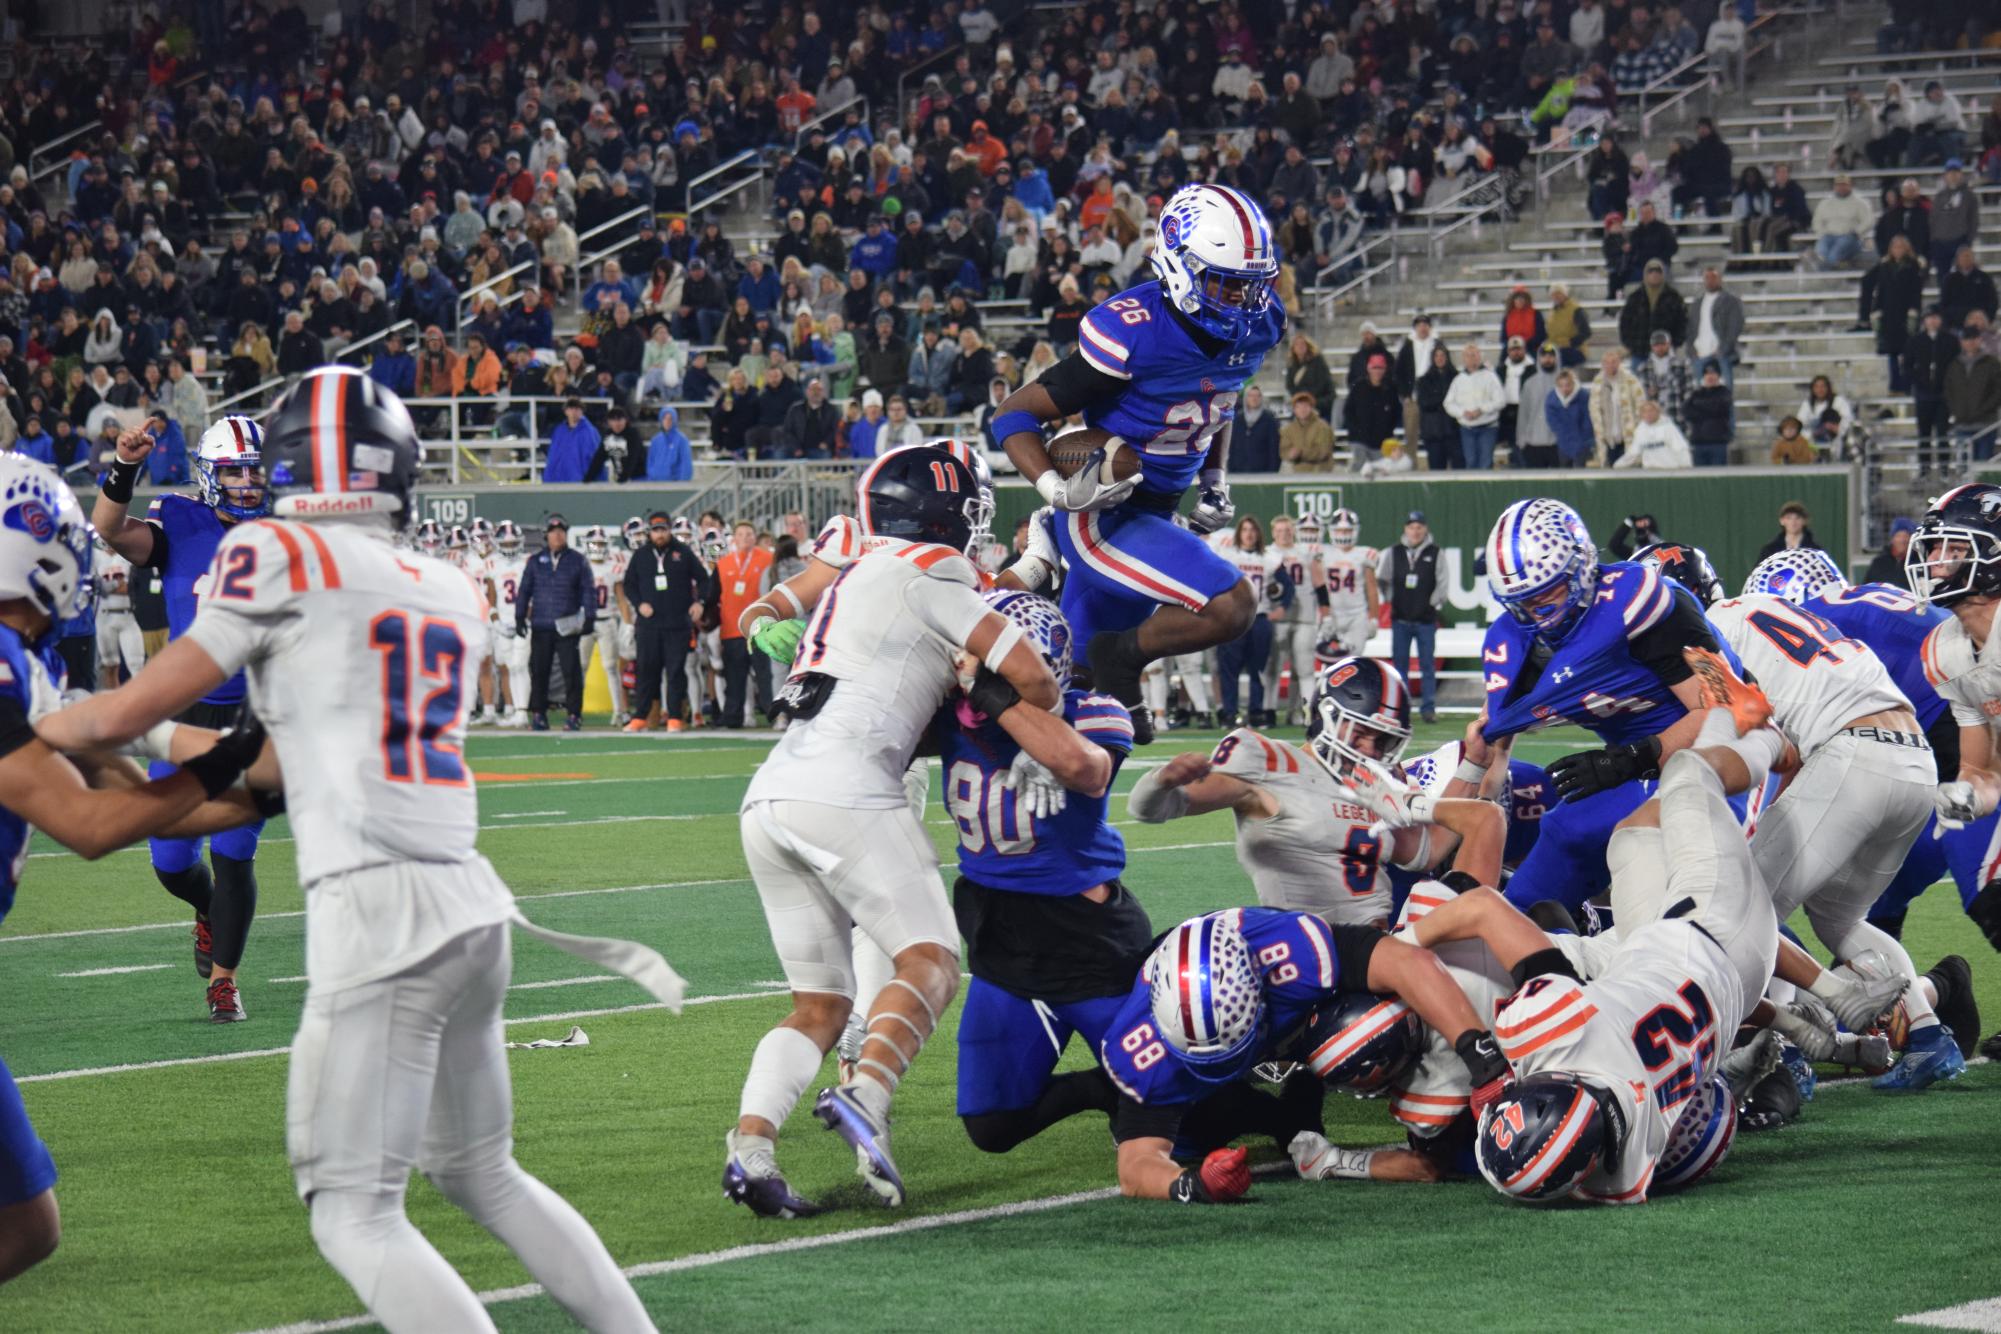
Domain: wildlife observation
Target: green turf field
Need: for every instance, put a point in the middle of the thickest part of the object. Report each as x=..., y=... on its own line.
x=179, y=1214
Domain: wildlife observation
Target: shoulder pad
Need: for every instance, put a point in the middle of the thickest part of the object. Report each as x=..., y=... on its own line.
x=1105, y=339
x=1947, y=652
x=260, y=565
x=1642, y=596
x=940, y=562
x=1253, y=757
x=839, y=542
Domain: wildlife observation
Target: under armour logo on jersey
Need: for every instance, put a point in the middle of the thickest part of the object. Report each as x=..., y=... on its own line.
x=1238, y=358
x=1564, y=675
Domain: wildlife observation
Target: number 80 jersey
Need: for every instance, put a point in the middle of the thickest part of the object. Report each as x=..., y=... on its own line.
x=1178, y=393
x=359, y=660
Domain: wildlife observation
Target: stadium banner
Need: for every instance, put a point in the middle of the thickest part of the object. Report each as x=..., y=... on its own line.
x=1730, y=513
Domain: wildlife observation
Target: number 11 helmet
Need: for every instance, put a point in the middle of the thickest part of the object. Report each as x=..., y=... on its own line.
x=1799, y=575
x=924, y=494
x=1538, y=546
x=1214, y=256
x=339, y=445
x=1207, y=1000
x=1956, y=552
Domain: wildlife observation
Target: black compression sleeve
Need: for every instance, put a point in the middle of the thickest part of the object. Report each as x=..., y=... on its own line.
x=1074, y=382
x=1136, y=1120
x=156, y=559
x=1659, y=647
x=15, y=729
x=1353, y=947
x=1551, y=960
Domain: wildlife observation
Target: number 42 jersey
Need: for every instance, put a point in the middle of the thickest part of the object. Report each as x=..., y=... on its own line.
x=359, y=658
x=1180, y=391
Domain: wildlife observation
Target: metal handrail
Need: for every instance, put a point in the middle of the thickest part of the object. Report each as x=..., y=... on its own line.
x=378, y=336
x=465, y=298
x=49, y=168
x=799, y=136
x=749, y=153
x=219, y=409
x=610, y=223
x=931, y=59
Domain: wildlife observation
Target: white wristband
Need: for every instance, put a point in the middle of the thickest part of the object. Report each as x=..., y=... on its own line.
x=1033, y=571
x=1469, y=772
x=1049, y=486
x=1004, y=643
x=155, y=743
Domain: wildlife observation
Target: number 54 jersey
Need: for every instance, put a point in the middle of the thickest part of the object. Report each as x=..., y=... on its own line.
x=1649, y=1031
x=359, y=658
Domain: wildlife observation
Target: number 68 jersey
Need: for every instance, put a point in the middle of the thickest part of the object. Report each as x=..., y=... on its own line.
x=1649, y=1031
x=358, y=657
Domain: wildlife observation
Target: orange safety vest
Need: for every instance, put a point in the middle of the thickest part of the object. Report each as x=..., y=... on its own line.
x=741, y=576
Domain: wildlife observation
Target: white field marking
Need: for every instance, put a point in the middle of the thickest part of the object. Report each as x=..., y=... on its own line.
x=1981, y=1315
x=524, y=898
x=567, y=982
x=285, y=981
x=526, y=815
x=706, y=1259
x=215, y=1058
x=571, y=823
x=128, y=968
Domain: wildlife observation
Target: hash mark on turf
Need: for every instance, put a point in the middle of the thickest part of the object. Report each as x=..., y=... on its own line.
x=1980, y=1315
x=127, y=968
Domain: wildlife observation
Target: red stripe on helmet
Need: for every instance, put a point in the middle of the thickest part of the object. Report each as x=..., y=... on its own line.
x=1243, y=220
x=1183, y=950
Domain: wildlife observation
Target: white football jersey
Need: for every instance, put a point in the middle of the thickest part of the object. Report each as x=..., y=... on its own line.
x=889, y=631
x=1968, y=679
x=1648, y=1030
x=361, y=660
x=111, y=574
x=1255, y=567
x=1818, y=681
x=604, y=578
x=1297, y=562
x=506, y=572
x=1315, y=855
x=1346, y=590
x=1223, y=540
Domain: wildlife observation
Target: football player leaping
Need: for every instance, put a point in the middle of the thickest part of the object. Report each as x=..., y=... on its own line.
x=181, y=544
x=1160, y=366
x=361, y=661
x=827, y=827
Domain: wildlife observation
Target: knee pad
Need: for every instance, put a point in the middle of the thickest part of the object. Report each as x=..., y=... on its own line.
x=239, y=844
x=173, y=856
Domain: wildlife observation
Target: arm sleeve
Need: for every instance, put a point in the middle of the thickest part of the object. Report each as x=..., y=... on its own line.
x=15, y=729
x=1137, y=1120
x=1074, y=382
x=1353, y=947
x=156, y=559
x=1682, y=626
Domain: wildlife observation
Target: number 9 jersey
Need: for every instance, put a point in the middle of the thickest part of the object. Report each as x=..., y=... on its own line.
x=1179, y=394
x=358, y=657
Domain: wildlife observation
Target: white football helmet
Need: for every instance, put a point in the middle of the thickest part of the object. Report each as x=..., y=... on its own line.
x=635, y=533
x=1042, y=623
x=1345, y=528
x=1208, y=1002
x=507, y=537
x=596, y=545
x=481, y=532
x=1309, y=529
x=1214, y=255
x=1537, y=546
x=1701, y=1136
x=44, y=539
x=457, y=542
x=430, y=538
x=1798, y=576
x=233, y=442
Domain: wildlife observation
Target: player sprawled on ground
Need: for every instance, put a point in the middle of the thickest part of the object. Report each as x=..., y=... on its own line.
x=1158, y=370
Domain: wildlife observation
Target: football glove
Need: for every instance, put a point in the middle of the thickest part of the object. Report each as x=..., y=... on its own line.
x=1491, y=1076
x=1957, y=804
x=1395, y=802
x=1036, y=789
x=1082, y=492
x=1041, y=560
x=1213, y=509
x=1318, y=1160
x=1589, y=772
x=778, y=640
x=991, y=693
x=1223, y=1176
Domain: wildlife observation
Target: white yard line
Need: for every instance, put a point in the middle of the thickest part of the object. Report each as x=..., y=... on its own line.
x=216, y=1058
x=526, y=815
x=128, y=968
x=566, y=982
x=1981, y=1315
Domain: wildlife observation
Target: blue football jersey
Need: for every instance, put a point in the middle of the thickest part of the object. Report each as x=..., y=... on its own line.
x=1894, y=625
x=1592, y=678
x=1000, y=845
x=1178, y=394
x=1298, y=969
x=20, y=663
x=193, y=534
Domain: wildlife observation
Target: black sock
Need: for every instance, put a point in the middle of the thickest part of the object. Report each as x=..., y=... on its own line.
x=192, y=886
x=1065, y=1097
x=233, y=907
x=1116, y=661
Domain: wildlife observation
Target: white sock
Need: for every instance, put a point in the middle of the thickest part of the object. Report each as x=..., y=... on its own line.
x=873, y=1095
x=873, y=969
x=1194, y=682
x=1759, y=751
x=1718, y=729
x=1153, y=690
x=783, y=1065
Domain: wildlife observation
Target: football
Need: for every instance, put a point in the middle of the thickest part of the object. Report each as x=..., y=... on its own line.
x=1076, y=448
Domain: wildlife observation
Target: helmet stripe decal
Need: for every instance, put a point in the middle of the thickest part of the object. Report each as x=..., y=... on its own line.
x=329, y=425
x=1206, y=941
x=1555, y=1148
x=1243, y=220
x=1182, y=951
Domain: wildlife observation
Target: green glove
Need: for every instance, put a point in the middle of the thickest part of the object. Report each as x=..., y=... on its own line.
x=778, y=640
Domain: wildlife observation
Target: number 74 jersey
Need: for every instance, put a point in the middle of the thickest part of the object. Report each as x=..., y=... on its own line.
x=359, y=658
x=1178, y=394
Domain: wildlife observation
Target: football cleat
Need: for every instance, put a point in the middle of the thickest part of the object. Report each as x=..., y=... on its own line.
x=841, y=1112
x=204, y=947
x=1991, y=1048
x=635, y=725
x=540, y=722
x=1722, y=688
x=1931, y=1057
x=1809, y=1025
x=225, y=1004
x=760, y=1187
x=1867, y=1052
x=1800, y=1070
x=1743, y=1067
x=1864, y=1002
x=1957, y=1009
x=573, y=723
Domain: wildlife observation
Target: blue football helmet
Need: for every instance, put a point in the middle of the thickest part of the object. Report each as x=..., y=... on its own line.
x=1548, y=1133
x=1042, y=622
x=1701, y=1136
x=1686, y=565
x=1799, y=576
x=1213, y=253
x=1537, y=546
x=233, y=442
x=1208, y=1003
x=1361, y=1042
x=924, y=494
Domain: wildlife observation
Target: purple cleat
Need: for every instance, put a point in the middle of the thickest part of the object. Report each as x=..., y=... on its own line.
x=843, y=1114
x=766, y=1194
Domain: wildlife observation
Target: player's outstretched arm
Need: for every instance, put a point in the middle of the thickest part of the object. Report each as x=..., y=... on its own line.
x=231, y=809
x=1079, y=765
x=165, y=686
x=1482, y=914
x=46, y=790
x=1416, y=977
x=129, y=537
x=1188, y=784
x=1148, y=1172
